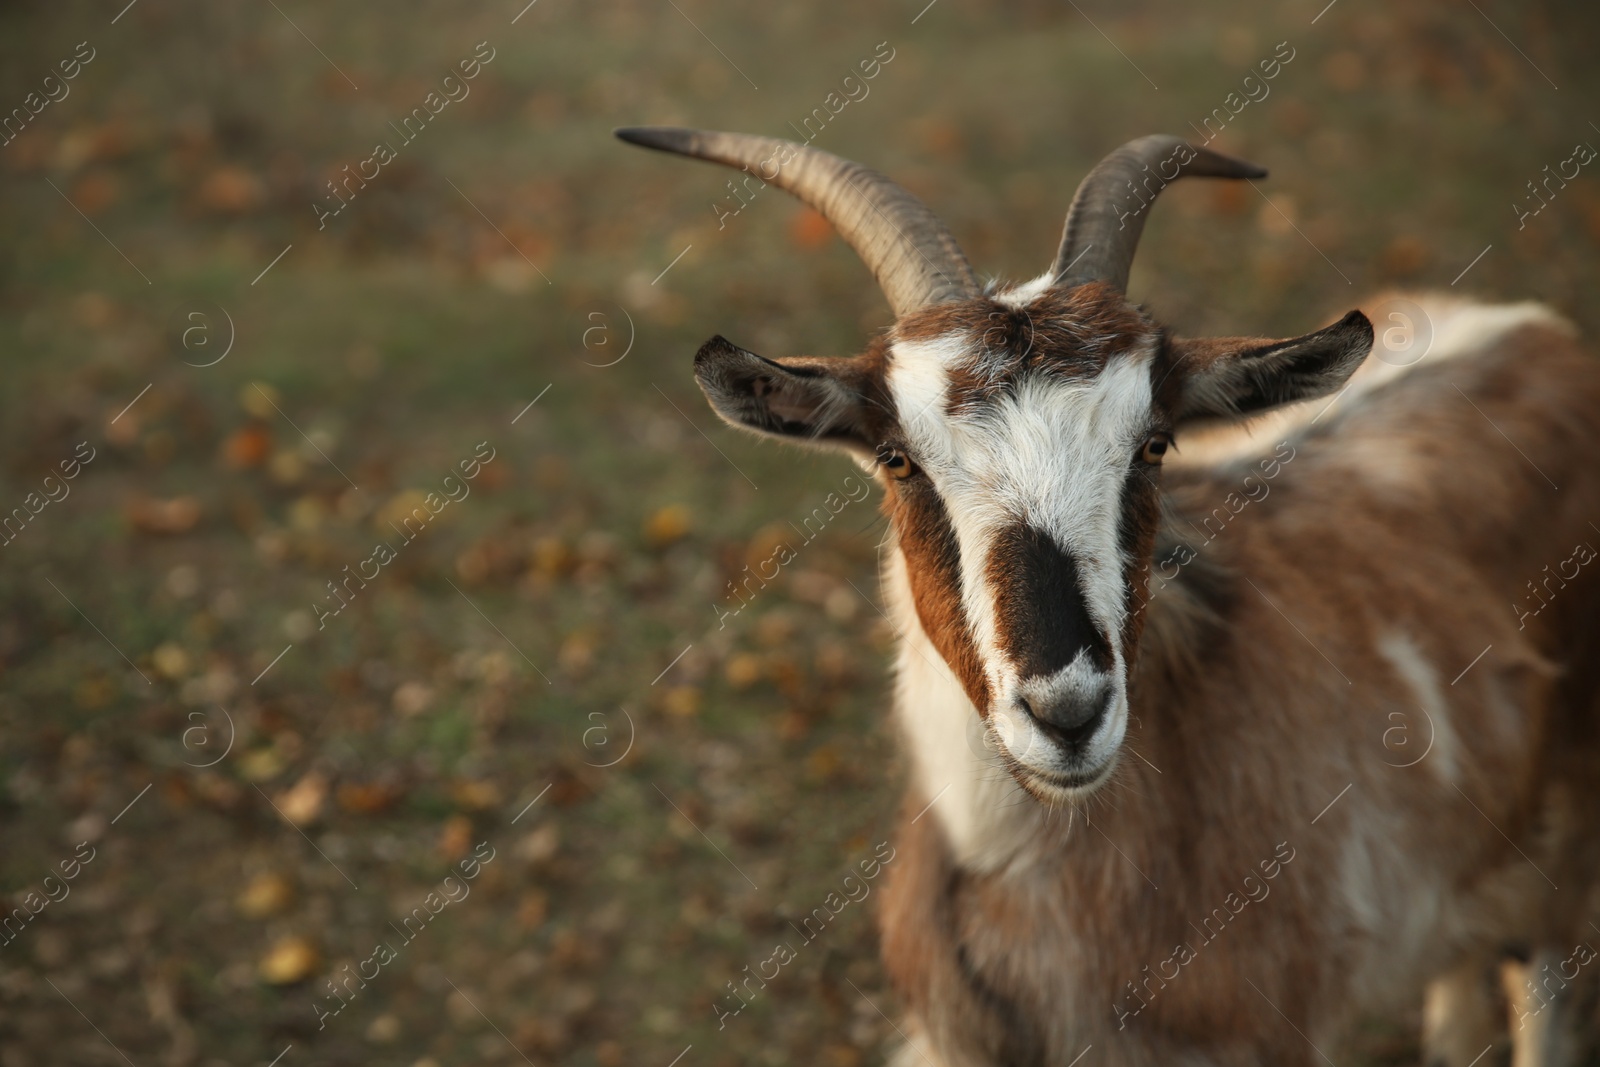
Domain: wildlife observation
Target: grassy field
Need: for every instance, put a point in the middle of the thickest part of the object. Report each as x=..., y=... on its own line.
x=542, y=693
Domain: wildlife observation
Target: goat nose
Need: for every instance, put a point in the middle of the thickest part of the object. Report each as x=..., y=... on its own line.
x=1068, y=714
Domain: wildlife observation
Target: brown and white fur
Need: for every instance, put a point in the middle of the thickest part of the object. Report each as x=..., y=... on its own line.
x=1317, y=642
x=1310, y=650
x=1212, y=757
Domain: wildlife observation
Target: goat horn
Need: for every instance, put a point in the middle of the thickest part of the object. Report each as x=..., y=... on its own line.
x=1108, y=211
x=911, y=253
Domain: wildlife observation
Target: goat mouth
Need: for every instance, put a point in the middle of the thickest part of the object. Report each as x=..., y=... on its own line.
x=1054, y=773
x=1054, y=786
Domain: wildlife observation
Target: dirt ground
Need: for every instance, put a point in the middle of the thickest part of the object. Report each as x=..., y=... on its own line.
x=532, y=747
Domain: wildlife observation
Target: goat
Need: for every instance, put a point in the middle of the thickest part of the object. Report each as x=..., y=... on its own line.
x=1157, y=806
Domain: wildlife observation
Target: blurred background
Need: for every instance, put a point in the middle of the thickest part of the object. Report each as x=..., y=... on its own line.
x=544, y=692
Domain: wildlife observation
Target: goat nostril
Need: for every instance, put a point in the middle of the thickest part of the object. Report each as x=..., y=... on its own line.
x=1077, y=735
x=1070, y=721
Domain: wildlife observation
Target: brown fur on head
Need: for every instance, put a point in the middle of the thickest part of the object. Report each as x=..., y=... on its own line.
x=1018, y=436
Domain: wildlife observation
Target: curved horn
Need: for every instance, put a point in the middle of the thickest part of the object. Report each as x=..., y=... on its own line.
x=1108, y=211
x=908, y=250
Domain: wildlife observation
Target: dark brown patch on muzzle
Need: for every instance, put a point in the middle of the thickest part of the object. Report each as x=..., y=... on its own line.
x=1041, y=615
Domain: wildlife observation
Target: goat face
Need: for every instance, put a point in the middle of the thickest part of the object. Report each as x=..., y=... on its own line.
x=1017, y=433
x=1018, y=438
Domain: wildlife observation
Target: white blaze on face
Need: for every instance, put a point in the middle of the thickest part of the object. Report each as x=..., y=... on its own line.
x=1052, y=453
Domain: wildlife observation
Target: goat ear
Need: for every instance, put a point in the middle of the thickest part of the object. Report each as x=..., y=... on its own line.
x=1232, y=377
x=804, y=397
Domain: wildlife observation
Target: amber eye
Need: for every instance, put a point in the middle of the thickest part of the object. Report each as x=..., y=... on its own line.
x=895, y=462
x=1155, y=447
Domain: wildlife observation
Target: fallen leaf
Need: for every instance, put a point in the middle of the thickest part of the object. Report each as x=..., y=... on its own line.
x=94, y=692
x=307, y=513
x=268, y=893
x=809, y=230
x=367, y=798
x=258, y=399
x=122, y=428
x=495, y=475
x=682, y=701
x=1277, y=219
x=793, y=725
x=1231, y=198
x=455, y=838
x=776, y=628
x=491, y=557
x=767, y=547
x=839, y=1055
x=545, y=1034
x=384, y=1029
x=785, y=673
x=177, y=515
x=111, y=141
x=834, y=662
x=473, y=565
x=221, y=793
x=941, y=138
x=171, y=660
x=823, y=761
x=95, y=192
x=75, y=148
x=550, y=556
x=96, y=310
x=261, y=765
x=302, y=802
x=461, y=1010
x=511, y=274
x=842, y=604
x=230, y=190
x=400, y=507
x=576, y=654
x=569, y=787
x=1404, y=257
x=540, y=844
x=286, y=467
x=246, y=447
x=289, y=960
x=183, y=581
x=533, y=909
x=667, y=526
x=412, y=698
x=744, y=670
x=476, y=795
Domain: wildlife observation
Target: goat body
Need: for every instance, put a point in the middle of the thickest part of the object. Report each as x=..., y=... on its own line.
x=1363, y=753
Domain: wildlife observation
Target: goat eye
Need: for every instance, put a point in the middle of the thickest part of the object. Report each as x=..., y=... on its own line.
x=895, y=462
x=1155, y=447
